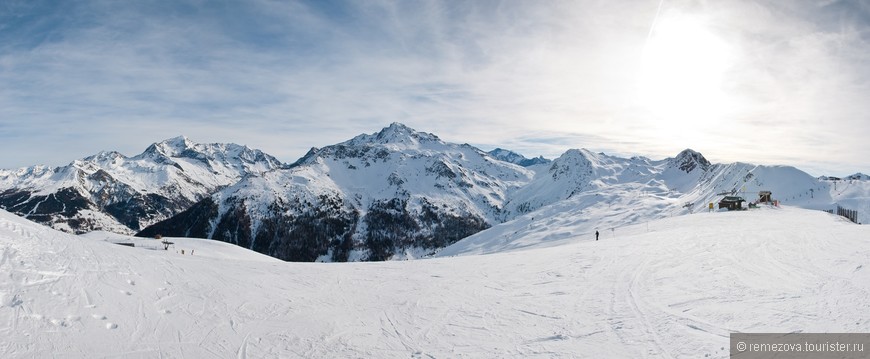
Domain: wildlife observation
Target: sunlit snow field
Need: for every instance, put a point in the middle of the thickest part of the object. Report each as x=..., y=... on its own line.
x=668, y=288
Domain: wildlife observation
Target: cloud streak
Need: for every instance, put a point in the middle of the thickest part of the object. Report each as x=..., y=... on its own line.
x=76, y=78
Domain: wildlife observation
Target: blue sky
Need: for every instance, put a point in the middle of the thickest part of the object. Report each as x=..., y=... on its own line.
x=764, y=82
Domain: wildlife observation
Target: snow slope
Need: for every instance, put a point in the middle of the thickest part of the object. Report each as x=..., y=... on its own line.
x=674, y=289
x=851, y=193
x=638, y=189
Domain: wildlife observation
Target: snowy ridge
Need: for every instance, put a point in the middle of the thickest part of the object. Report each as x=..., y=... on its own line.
x=124, y=194
x=399, y=193
x=394, y=193
x=583, y=192
x=685, y=179
x=516, y=158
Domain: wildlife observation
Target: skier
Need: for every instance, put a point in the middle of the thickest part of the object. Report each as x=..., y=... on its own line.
x=596, y=235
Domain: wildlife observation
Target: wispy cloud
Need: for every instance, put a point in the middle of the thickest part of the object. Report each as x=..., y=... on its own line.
x=79, y=77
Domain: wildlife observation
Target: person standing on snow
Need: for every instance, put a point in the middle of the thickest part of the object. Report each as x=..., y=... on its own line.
x=596, y=235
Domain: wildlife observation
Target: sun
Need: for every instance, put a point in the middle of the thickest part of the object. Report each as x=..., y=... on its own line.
x=682, y=71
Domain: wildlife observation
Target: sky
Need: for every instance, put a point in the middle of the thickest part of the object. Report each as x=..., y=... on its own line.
x=765, y=82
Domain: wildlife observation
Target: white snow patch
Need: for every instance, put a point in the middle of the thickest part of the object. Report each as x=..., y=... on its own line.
x=675, y=290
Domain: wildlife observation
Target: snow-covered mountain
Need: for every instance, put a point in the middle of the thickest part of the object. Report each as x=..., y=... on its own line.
x=685, y=183
x=394, y=193
x=516, y=158
x=858, y=177
x=399, y=193
x=113, y=192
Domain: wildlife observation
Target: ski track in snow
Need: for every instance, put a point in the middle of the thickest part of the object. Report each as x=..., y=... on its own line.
x=676, y=290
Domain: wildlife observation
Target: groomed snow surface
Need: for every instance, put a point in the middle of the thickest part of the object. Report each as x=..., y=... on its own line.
x=669, y=288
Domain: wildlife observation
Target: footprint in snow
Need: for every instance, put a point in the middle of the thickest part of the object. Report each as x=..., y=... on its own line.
x=9, y=300
x=58, y=322
x=98, y=316
x=111, y=325
x=131, y=282
x=126, y=292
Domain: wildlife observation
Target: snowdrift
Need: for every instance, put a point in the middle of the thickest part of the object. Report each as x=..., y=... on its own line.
x=676, y=288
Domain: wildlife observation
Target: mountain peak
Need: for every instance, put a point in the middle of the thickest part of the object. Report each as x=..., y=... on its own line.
x=395, y=134
x=179, y=142
x=105, y=156
x=171, y=147
x=581, y=153
x=399, y=132
x=397, y=126
x=688, y=152
x=688, y=159
x=516, y=158
x=573, y=160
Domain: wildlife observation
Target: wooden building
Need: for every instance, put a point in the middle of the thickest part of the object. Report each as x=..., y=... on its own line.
x=732, y=203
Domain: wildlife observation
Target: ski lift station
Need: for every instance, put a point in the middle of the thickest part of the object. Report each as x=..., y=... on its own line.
x=732, y=203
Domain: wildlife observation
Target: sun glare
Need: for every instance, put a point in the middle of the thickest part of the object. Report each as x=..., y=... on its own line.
x=682, y=69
